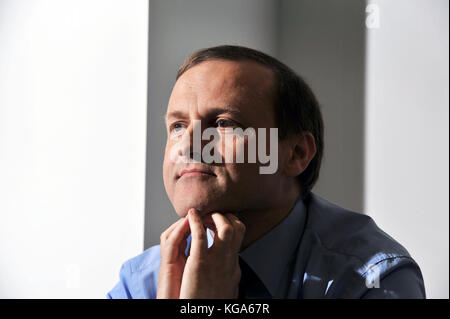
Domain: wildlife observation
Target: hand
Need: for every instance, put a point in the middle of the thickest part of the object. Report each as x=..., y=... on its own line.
x=213, y=272
x=173, y=259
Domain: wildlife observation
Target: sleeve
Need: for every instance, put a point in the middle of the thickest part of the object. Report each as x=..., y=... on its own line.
x=402, y=283
x=121, y=289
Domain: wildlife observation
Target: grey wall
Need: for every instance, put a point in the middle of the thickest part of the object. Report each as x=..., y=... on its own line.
x=324, y=42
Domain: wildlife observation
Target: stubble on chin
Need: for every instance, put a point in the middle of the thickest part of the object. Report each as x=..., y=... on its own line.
x=189, y=194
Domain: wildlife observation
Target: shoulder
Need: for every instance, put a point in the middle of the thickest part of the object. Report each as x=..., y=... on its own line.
x=349, y=232
x=148, y=259
x=138, y=277
x=349, y=247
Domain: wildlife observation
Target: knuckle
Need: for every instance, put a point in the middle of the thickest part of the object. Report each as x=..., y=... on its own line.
x=241, y=227
x=200, y=236
x=169, y=240
x=227, y=231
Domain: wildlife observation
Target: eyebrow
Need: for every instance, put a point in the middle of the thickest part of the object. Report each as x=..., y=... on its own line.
x=175, y=114
x=212, y=112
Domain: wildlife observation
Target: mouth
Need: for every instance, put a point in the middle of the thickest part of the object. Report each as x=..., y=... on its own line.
x=195, y=172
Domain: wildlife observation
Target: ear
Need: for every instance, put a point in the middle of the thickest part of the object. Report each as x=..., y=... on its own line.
x=302, y=148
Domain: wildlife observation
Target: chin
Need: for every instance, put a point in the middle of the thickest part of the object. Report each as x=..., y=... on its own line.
x=183, y=207
x=203, y=202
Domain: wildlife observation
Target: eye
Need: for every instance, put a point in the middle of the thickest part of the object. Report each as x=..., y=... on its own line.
x=225, y=123
x=176, y=127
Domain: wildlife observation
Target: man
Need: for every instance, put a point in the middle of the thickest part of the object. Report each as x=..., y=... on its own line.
x=245, y=234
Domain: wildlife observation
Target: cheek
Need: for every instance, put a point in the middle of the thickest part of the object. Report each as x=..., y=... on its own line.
x=167, y=168
x=243, y=168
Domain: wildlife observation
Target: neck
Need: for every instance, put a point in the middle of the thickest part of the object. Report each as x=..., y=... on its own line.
x=259, y=223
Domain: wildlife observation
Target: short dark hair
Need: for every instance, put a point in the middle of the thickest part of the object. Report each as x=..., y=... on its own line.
x=296, y=106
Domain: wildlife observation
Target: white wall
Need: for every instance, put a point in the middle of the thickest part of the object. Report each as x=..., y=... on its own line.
x=407, y=129
x=73, y=78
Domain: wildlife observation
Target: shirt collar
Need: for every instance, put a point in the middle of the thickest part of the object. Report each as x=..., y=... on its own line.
x=269, y=255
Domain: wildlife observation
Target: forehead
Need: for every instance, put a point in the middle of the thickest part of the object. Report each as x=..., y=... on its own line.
x=244, y=84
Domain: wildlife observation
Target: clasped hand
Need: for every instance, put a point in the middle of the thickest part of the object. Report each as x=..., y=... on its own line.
x=206, y=272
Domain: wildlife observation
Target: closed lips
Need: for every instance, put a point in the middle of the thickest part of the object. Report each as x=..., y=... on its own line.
x=198, y=171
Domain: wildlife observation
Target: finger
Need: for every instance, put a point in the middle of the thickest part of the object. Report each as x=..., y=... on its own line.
x=239, y=231
x=180, y=232
x=173, y=246
x=199, y=241
x=224, y=228
x=169, y=230
x=208, y=222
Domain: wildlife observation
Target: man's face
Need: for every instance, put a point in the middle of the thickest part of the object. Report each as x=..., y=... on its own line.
x=219, y=94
